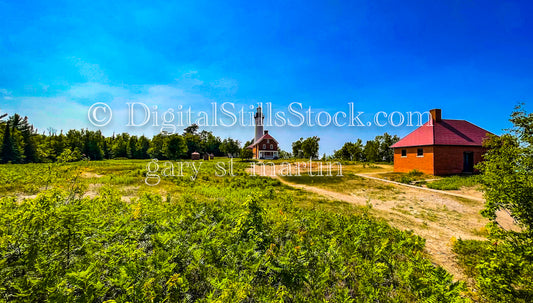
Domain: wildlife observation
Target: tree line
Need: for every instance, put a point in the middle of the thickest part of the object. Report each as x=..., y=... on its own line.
x=377, y=150
x=21, y=143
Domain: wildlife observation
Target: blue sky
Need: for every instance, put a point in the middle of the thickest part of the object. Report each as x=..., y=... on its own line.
x=470, y=58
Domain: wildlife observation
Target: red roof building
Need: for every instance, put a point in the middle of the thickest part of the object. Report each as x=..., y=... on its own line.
x=441, y=147
x=264, y=146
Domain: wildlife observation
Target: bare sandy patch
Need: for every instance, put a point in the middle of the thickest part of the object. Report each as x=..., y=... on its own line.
x=89, y=175
x=438, y=216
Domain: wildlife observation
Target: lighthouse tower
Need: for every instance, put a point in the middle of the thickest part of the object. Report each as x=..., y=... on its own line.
x=264, y=145
x=259, y=117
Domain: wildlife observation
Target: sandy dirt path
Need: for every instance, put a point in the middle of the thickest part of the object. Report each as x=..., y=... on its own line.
x=437, y=216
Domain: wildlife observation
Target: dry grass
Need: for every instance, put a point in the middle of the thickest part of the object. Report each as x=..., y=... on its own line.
x=435, y=216
x=349, y=184
x=400, y=177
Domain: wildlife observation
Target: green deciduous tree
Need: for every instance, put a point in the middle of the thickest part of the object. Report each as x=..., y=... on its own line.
x=210, y=143
x=230, y=147
x=352, y=151
x=120, y=145
x=371, y=151
x=143, y=144
x=297, y=150
x=507, y=174
x=174, y=147
x=310, y=147
x=156, y=147
x=306, y=148
x=191, y=129
x=247, y=153
x=385, y=141
x=193, y=142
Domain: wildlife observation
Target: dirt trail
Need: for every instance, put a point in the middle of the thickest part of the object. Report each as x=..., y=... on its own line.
x=459, y=194
x=437, y=216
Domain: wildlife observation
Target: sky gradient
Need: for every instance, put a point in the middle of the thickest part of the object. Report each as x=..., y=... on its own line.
x=472, y=59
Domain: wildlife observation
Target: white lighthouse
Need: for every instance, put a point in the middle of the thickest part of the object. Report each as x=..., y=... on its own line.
x=259, y=117
x=264, y=145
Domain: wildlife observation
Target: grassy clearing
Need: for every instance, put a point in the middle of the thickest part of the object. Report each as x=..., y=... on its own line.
x=407, y=178
x=455, y=182
x=365, y=168
x=33, y=178
x=227, y=239
x=353, y=167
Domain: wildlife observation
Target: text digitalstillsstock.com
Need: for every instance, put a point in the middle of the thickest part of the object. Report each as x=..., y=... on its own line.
x=228, y=114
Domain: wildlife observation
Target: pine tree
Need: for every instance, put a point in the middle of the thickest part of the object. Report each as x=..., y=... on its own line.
x=106, y=148
x=30, y=146
x=132, y=148
x=143, y=144
x=10, y=152
x=92, y=145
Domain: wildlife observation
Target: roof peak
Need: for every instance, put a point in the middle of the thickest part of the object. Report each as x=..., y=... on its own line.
x=266, y=135
x=445, y=132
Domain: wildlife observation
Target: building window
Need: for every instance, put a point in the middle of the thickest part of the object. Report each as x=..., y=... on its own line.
x=264, y=146
x=404, y=153
x=268, y=140
x=271, y=146
x=420, y=152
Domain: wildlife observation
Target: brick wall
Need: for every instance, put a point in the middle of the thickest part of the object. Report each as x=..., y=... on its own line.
x=449, y=159
x=267, y=143
x=412, y=161
x=437, y=160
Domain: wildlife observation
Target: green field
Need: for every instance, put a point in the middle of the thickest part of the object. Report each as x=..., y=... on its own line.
x=94, y=232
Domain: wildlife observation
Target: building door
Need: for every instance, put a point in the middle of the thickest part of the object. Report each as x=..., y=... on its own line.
x=468, y=162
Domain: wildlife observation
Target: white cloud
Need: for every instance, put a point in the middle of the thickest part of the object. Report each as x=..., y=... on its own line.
x=43, y=112
x=68, y=110
x=165, y=91
x=90, y=71
x=225, y=83
x=93, y=89
x=5, y=94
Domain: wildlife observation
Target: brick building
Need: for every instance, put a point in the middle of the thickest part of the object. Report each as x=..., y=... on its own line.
x=264, y=146
x=440, y=147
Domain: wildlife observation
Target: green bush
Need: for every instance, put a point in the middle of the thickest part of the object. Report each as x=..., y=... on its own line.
x=405, y=179
x=224, y=240
x=415, y=173
x=411, y=176
x=455, y=182
x=502, y=271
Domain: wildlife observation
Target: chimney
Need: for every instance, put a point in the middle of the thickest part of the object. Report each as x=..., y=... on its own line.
x=266, y=132
x=435, y=115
